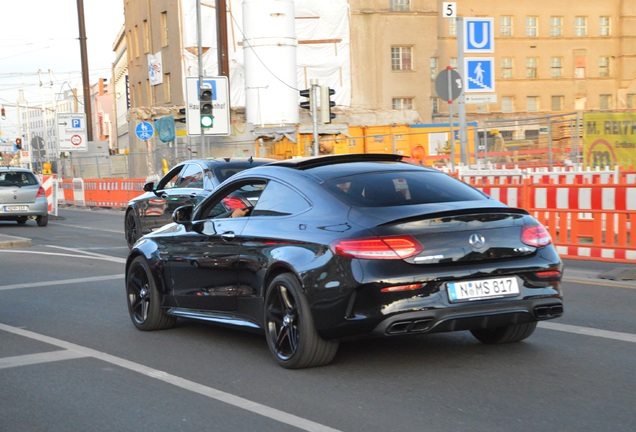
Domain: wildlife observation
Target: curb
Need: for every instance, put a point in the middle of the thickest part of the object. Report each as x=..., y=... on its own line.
x=7, y=242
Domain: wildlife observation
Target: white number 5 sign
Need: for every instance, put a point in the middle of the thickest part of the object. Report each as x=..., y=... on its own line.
x=449, y=9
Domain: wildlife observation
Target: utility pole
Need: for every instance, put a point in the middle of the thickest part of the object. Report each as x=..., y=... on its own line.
x=85, y=77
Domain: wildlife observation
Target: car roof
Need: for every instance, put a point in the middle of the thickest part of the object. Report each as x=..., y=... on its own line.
x=14, y=169
x=228, y=160
x=325, y=168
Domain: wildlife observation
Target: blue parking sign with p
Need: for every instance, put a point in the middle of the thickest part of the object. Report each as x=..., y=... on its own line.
x=479, y=35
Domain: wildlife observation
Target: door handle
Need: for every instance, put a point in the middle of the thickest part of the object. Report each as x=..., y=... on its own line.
x=228, y=236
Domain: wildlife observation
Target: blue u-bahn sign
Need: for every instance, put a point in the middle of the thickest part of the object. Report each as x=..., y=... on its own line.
x=479, y=35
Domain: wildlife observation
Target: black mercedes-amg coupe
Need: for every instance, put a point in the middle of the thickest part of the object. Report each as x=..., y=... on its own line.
x=315, y=251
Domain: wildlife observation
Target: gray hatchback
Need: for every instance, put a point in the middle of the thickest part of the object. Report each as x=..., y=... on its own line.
x=22, y=197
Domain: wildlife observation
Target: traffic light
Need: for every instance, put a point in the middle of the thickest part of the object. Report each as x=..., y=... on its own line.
x=4, y=114
x=306, y=94
x=18, y=143
x=205, y=105
x=326, y=104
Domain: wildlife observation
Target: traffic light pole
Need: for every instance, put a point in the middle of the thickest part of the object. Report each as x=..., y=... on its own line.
x=315, y=94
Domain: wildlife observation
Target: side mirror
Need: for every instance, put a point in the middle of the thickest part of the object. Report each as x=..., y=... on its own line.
x=183, y=215
x=148, y=187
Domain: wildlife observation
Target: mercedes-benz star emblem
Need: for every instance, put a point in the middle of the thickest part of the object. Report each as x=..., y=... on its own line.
x=477, y=241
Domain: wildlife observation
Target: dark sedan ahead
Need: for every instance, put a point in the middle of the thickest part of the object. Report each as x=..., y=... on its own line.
x=186, y=183
x=337, y=247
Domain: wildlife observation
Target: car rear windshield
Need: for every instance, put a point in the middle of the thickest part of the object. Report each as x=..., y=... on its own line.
x=395, y=188
x=17, y=178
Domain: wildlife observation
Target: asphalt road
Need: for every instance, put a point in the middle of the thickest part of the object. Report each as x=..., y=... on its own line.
x=71, y=360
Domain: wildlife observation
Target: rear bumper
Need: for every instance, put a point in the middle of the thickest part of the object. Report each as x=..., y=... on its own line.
x=39, y=208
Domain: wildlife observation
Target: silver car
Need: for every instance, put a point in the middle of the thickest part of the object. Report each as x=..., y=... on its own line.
x=22, y=197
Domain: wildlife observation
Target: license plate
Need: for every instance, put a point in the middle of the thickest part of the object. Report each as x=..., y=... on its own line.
x=16, y=208
x=482, y=289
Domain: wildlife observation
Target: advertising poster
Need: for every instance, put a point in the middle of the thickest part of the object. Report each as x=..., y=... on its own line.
x=609, y=140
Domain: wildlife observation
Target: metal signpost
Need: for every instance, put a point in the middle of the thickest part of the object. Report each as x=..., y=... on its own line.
x=449, y=86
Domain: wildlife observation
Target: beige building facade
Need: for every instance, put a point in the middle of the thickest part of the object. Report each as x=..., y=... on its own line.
x=550, y=56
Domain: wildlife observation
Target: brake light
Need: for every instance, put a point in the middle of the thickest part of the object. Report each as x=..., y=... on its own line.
x=378, y=248
x=548, y=274
x=41, y=193
x=536, y=236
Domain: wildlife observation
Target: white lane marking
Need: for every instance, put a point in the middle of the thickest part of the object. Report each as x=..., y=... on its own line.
x=87, y=255
x=62, y=282
x=31, y=359
x=212, y=393
x=91, y=228
x=588, y=331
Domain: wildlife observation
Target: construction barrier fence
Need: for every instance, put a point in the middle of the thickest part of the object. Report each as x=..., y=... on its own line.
x=589, y=214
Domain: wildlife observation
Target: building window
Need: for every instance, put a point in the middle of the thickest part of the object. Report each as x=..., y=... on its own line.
x=603, y=67
x=400, y=5
x=630, y=100
x=532, y=103
x=453, y=62
x=556, y=26
x=402, y=103
x=136, y=41
x=164, y=29
x=580, y=26
x=401, y=58
x=434, y=65
x=557, y=103
x=506, y=67
x=507, y=104
x=556, y=67
x=167, y=96
x=605, y=101
x=146, y=36
x=532, y=26
x=434, y=105
x=505, y=26
x=531, y=67
x=452, y=27
x=604, y=26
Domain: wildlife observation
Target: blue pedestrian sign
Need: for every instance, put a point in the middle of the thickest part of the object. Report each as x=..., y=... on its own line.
x=480, y=75
x=144, y=131
x=479, y=35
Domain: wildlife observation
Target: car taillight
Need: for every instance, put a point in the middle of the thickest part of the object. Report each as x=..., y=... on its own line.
x=378, y=248
x=41, y=193
x=536, y=236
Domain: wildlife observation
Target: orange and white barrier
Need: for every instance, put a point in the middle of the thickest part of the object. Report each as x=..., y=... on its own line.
x=589, y=214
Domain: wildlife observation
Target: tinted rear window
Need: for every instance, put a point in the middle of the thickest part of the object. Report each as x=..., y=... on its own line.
x=401, y=188
x=21, y=178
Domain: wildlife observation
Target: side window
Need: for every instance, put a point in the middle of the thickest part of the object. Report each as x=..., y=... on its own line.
x=279, y=200
x=191, y=177
x=169, y=180
x=240, y=196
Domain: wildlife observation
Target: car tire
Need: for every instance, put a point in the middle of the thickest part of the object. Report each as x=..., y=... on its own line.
x=21, y=220
x=144, y=302
x=42, y=220
x=507, y=334
x=289, y=327
x=132, y=229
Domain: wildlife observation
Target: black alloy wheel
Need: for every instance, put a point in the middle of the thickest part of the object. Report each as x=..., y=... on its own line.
x=144, y=303
x=132, y=229
x=507, y=334
x=290, y=332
